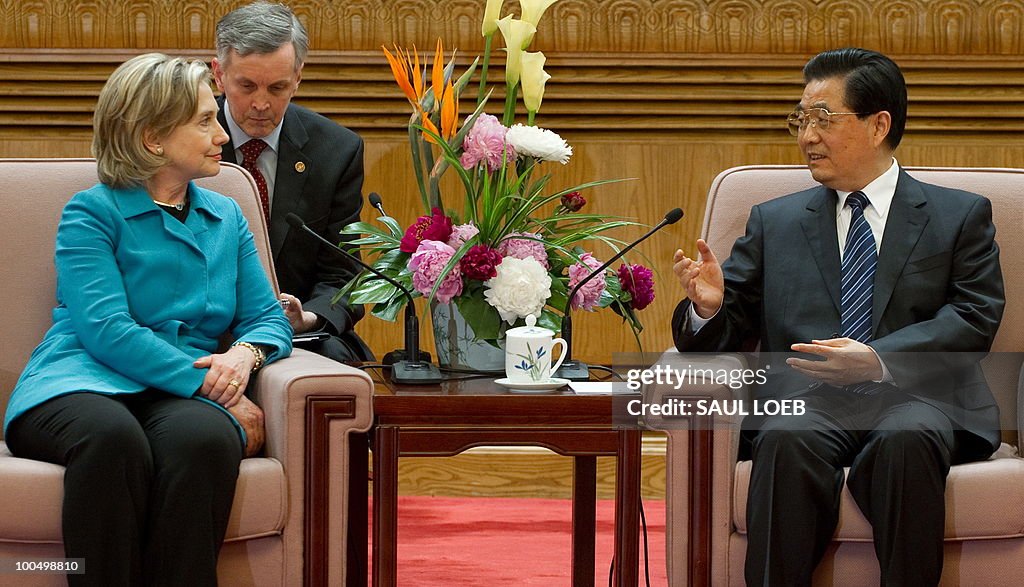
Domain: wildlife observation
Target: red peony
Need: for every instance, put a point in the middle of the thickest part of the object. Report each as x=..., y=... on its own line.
x=638, y=281
x=573, y=201
x=436, y=227
x=480, y=262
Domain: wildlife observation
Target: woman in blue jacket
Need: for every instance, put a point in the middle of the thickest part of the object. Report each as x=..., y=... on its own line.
x=127, y=389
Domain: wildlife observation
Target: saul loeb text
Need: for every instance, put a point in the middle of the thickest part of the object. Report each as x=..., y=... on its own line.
x=724, y=407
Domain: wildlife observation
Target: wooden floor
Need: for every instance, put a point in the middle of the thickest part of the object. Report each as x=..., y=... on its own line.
x=501, y=471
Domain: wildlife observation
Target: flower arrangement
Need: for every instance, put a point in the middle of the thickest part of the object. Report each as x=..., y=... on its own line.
x=515, y=247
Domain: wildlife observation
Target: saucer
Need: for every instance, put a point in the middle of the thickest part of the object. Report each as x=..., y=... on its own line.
x=548, y=385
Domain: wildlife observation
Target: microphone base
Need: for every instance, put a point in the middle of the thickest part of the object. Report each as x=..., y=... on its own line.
x=400, y=355
x=415, y=373
x=573, y=371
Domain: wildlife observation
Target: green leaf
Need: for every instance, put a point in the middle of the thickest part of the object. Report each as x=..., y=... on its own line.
x=550, y=320
x=559, y=294
x=612, y=284
x=374, y=292
x=389, y=310
x=393, y=226
x=481, y=316
x=374, y=243
x=366, y=228
x=464, y=78
x=416, y=146
x=391, y=262
x=344, y=290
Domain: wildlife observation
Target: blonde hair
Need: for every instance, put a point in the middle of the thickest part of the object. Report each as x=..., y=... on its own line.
x=149, y=95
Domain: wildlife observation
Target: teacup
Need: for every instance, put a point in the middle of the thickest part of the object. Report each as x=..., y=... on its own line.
x=528, y=353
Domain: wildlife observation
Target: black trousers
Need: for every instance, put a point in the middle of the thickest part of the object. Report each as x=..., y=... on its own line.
x=899, y=450
x=148, y=485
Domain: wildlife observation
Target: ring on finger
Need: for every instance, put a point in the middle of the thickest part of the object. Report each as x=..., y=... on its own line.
x=235, y=382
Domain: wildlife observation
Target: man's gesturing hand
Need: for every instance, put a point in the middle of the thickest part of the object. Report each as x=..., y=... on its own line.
x=702, y=279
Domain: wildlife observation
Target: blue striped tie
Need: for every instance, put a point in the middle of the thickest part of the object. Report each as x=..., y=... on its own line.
x=858, y=269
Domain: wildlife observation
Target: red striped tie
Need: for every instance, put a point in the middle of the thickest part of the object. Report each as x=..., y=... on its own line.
x=250, y=152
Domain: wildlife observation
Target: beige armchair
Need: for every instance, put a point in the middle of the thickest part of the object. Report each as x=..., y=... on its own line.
x=707, y=488
x=288, y=522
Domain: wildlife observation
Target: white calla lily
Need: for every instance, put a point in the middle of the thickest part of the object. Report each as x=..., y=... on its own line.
x=532, y=10
x=517, y=34
x=533, y=78
x=491, y=12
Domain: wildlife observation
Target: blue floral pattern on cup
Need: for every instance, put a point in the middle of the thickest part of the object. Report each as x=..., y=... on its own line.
x=532, y=364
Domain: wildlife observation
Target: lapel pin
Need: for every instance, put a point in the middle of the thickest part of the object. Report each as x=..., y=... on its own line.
x=300, y=166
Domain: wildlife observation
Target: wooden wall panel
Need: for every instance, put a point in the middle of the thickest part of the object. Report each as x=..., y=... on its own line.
x=795, y=27
x=668, y=92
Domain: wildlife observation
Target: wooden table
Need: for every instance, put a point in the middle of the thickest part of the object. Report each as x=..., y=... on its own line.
x=446, y=419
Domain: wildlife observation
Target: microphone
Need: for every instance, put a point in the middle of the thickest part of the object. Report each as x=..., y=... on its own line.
x=376, y=202
x=411, y=369
x=395, y=355
x=578, y=370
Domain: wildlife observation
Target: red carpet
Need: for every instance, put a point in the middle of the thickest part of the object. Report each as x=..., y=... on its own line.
x=484, y=542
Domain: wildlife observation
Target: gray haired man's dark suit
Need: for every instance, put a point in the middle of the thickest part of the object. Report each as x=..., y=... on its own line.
x=320, y=179
x=938, y=300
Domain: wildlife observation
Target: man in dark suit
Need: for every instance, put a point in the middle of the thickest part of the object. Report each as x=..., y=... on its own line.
x=889, y=292
x=303, y=164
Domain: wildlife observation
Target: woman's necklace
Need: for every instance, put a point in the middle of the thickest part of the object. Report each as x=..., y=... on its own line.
x=180, y=206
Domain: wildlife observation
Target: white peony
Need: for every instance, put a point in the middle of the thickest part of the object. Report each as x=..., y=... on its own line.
x=538, y=142
x=521, y=288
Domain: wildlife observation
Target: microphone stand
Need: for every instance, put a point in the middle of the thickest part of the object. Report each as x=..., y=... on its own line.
x=574, y=370
x=411, y=369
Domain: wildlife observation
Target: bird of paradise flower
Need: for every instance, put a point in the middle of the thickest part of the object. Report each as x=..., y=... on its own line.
x=434, y=107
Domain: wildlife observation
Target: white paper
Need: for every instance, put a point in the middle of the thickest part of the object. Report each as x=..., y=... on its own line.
x=597, y=387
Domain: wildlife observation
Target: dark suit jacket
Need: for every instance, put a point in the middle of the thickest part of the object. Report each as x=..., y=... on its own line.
x=327, y=194
x=938, y=295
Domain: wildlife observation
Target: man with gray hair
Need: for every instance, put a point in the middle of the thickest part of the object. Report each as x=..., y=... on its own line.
x=303, y=163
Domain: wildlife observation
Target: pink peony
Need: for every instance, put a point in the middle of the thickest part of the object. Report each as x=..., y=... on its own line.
x=426, y=264
x=573, y=201
x=590, y=293
x=480, y=262
x=486, y=142
x=461, y=234
x=638, y=281
x=436, y=227
x=521, y=248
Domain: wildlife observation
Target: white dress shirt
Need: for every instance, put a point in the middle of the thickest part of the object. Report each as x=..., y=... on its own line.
x=267, y=161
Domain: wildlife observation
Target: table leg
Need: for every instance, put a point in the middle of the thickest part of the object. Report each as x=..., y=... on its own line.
x=385, y=507
x=355, y=572
x=701, y=456
x=627, y=509
x=584, y=523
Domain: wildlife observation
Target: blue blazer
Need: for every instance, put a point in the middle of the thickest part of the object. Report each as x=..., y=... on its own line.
x=140, y=296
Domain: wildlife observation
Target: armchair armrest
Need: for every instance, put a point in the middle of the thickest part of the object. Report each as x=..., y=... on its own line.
x=1020, y=413
x=284, y=388
x=314, y=406
x=701, y=462
x=705, y=381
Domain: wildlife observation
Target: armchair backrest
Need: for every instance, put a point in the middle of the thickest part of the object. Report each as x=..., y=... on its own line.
x=34, y=194
x=736, y=190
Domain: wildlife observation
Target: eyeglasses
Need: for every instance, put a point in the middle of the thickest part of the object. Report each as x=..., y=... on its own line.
x=818, y=118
